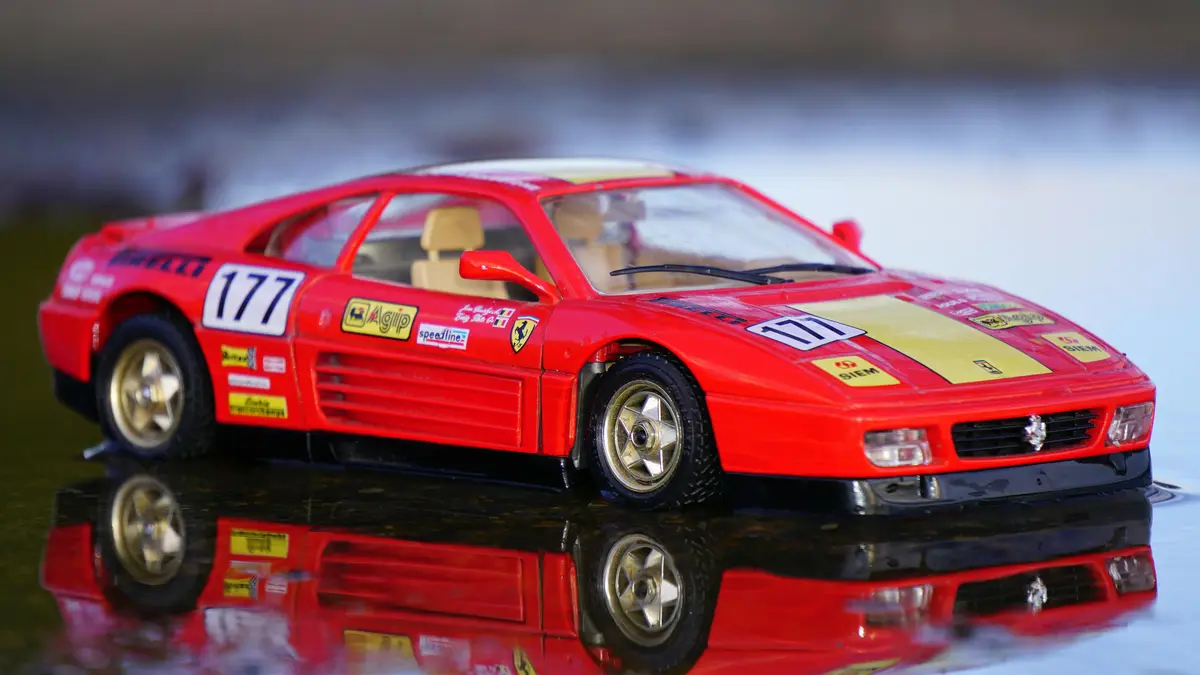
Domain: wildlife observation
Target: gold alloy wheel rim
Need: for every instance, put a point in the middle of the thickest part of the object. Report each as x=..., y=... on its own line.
x=146, y=393
x=641, y=436
x=643, y=590
x=147, y=531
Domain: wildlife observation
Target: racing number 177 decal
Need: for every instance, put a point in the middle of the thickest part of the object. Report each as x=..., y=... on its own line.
x=250, y=299
x=805, y=331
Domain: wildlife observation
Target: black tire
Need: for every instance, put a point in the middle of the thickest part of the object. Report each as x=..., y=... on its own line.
x=196, y=432
x=689, y=560
x=698, y=477
x=122, y=586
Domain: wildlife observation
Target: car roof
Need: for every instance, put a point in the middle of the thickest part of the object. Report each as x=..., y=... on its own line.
x=553, y=173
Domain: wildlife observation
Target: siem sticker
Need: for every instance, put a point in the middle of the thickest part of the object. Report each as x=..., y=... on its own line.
x=1077, y=346
x=856, y=371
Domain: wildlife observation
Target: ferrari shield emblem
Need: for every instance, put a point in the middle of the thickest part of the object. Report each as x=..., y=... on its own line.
x=521, y=330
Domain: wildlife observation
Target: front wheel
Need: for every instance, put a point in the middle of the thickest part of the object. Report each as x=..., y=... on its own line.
x=652, y=445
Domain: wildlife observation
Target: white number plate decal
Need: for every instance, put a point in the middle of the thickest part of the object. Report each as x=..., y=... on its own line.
x=250, y=299
x=805, y=331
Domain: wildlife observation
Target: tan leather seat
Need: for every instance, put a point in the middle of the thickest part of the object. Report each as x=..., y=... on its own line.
x=580, y=224
x=452, y=228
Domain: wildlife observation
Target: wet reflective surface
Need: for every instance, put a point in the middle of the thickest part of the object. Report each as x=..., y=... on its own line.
x=313, y=569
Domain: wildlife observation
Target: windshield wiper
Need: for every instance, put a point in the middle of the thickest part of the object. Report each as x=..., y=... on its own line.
x=811, y=267
x=749, y=276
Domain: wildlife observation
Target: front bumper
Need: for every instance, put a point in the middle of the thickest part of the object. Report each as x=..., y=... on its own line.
x=894, y=495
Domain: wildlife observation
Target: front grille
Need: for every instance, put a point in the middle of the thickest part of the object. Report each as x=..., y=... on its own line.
x=1029, y=591
x=1001, y=438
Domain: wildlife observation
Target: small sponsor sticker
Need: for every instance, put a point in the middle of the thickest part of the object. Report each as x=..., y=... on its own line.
x=444, y=337
x=238, y=357
x=964, y=311
x=380, y=319
x=521, y=331
x=249, y=381
x=258, y=405
x=277, y=586
x=274, y=364
x=258, y=543
x=1077, y=346
x=703, y=310
x=996, y=306
x=1003, y=320
x=856, y=371
x=496, y=317
x=80, y=270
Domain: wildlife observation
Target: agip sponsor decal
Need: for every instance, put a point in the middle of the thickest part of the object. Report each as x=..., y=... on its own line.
x=1004, y=320
x=359, y=642
x=377, y=318
x=1077, y=346
x=945, y=345
x=258, y=405
x=258, y=543
x=856, y=371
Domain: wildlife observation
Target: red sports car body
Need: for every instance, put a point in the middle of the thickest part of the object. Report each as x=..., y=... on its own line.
x=671, y=331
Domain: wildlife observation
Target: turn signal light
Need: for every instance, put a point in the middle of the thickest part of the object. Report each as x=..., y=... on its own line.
x=897, y=447
x=1131, y=424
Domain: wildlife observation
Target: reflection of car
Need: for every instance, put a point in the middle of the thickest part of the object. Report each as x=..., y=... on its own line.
x=316, y=569
x=665, y=329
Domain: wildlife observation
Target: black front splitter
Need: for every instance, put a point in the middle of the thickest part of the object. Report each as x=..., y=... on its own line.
x=1102, y=474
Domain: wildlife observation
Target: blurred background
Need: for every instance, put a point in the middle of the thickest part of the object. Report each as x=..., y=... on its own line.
x=1050, y=147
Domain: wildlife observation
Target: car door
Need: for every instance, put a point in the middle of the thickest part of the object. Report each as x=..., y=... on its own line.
x=380, y=356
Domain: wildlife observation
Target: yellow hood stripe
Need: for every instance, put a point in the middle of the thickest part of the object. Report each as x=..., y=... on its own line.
x=950, y=348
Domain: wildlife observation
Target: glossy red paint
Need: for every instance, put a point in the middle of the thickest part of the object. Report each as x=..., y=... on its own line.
x=458, y=606
x=773, y=411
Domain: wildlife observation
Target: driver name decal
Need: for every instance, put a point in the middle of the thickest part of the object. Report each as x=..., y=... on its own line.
x=805, y=331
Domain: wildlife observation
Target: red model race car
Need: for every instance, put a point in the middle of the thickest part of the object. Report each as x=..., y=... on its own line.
x=667, y=330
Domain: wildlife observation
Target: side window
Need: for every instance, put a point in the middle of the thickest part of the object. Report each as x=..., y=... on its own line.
x=317, y=237
x=419, y=238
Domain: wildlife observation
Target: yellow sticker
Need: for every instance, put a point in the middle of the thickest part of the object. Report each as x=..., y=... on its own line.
x=855, y=371
x=258, y=543
x=944, y=345
x=1002, y=320
x=521, y=331
x=381, y=319
x=258, y=405
x=1077, y=345
x=522, y=663
x=241, y=587
x=865, y=668
x=237, y=357
x=996, y=306
x=364, y=642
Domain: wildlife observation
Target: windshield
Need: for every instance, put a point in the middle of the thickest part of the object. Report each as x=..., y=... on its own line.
x=703, y=225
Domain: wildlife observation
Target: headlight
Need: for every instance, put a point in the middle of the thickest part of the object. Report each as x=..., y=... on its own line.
x=1132, y=573
x=897, y=447
x=1131, y=423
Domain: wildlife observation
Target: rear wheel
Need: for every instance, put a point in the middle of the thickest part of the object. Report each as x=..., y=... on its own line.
x=153, y=390
x=652, y=445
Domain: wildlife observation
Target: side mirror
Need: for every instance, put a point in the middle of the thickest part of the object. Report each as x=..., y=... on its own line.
x=501, y=266
x=849, y=233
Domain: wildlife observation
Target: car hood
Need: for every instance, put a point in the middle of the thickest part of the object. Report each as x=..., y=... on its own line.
x=892, y=328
